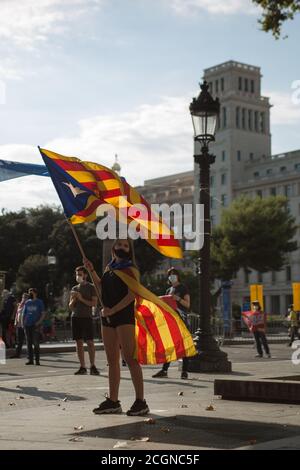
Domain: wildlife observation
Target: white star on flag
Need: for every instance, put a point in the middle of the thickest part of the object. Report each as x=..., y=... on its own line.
x=74, y=189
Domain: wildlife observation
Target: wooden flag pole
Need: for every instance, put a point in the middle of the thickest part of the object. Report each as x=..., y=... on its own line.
x=83, y=255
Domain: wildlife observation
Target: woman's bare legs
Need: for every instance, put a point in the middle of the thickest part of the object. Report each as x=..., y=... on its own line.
x=127, y=340
x=112, y=349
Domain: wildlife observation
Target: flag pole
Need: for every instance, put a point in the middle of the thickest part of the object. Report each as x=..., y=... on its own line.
x=83, y=255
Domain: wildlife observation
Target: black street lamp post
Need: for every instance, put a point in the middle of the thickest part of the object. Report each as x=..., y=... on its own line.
x=205, y=112
x=50, y=286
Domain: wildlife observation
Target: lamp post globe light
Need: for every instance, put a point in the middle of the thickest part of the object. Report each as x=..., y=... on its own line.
x=205, y=113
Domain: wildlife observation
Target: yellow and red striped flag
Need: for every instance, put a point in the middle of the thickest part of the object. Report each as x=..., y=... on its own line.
x=83, y=186
x=161, y=334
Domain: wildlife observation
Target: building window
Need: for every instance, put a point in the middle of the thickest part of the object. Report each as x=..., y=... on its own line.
x=212, y=202
x=237, y=117
x=239, y=156
x=262, y=123
x=288, y=190
x=213, y=220
x=246, y=84
x=251, y=156
x=259, y=277
x=224, y=117
x=246, y=276
x=256, y=174
x=222, y=84
x=250, y=119
x=212, y=180
x=217, y=86
x=297, y=166
x=240, y=84
x=223, y=156
x=288, y=271
x=282, y=169
x=252, y=86
x=243, y=118
x=273, y=277
x=224, y=200
x=273, y=192
x=269, y=171
x=223, y=178
x=256, y=121
x=210, y=86
x=259, y=193
x=275, y=304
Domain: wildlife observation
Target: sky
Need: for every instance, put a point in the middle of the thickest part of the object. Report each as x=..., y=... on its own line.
x=95, y=78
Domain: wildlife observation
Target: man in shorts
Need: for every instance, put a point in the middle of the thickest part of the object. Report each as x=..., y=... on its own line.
x=82, y=299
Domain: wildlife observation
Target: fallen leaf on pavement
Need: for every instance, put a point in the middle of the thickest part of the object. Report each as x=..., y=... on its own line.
x=165, y=429
x=120, y=444
x=12, y=404
x=184, y=406
x=140, y=439
x=210, y=408
x=20, y=398
x=78, y=428
x=149, y=421
x=180, y=394
x=65, y=399
x=76, y=439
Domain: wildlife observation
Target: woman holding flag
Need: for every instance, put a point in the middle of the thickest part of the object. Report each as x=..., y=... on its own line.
x=147, y=329
x=118, y=329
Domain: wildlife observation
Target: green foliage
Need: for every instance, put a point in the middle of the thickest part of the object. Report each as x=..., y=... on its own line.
x=148, y=259
x=33, y=273
x=253, y=234
x=275, y=13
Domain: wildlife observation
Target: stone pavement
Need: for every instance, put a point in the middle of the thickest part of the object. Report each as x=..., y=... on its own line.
x=47, y=407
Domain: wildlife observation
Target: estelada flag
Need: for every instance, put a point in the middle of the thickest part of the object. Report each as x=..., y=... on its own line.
x=160, y=332
x=84, y=186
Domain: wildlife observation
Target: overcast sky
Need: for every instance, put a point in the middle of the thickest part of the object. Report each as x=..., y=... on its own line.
x=92, y=78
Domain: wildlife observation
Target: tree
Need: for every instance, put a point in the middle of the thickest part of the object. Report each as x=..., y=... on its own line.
x=275, y=13
x=33, y=273
x=253, y=234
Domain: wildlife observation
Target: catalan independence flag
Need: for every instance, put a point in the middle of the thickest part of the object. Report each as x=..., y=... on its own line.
x=160, y=332
x=83, y=186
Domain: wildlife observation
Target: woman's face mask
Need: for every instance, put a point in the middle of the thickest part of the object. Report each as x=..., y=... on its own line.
x=121, y=253
x=173, y=278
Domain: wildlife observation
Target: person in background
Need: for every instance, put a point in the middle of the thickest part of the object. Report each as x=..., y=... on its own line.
x=7, y=315
x=258, y=328
x=33, y=316
x=294, y=323
x=20, y=333
x=180, y=294
x=82, y=299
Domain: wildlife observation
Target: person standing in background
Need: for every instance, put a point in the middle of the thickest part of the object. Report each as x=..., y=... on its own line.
x=33, y=316
x=20, y=333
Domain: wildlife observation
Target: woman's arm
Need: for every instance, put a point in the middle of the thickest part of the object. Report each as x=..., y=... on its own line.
x=107, y=312
x=185, y=302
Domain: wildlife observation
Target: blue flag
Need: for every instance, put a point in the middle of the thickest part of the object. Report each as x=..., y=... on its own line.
x=10, y=170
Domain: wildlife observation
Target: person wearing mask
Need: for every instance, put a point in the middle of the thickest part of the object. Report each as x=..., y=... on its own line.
x=19, y=325
x=294, y=323
x=258, y=328
x=180, y=294
x=33, y=316
x=118, y=329
x=82, y=299
x=7, y=315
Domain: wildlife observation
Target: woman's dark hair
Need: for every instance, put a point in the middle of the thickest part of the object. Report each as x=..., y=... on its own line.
x=256, y=303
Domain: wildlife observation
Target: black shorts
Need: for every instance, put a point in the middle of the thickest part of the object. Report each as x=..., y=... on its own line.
x=123, y=317
x=82, y=328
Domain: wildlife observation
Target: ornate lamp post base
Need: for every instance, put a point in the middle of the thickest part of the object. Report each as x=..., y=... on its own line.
x=209, y=358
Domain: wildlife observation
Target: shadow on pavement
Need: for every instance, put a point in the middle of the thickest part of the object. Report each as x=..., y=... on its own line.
x=195, y=431
x=44, y=394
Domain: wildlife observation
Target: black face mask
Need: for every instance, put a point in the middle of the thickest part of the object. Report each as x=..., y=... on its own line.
x=122, y=253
